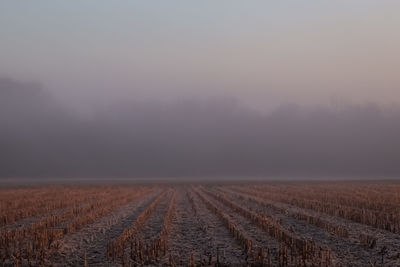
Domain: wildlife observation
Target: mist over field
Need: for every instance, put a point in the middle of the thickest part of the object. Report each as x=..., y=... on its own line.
x=200, y=133
x=192, y=138
x=228, y=89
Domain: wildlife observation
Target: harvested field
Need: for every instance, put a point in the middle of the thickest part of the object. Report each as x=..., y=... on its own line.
x=227, y=224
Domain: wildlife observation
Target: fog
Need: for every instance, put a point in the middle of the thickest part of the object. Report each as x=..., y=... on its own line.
x=182, y=89
x=192, y=137
x=263, y=54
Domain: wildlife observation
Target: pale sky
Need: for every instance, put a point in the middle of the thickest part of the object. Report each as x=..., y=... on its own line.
x=263, y=53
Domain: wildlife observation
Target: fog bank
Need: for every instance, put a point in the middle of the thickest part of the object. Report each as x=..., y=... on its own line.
x=192, y=138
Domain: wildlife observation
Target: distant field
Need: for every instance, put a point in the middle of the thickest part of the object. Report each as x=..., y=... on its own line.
x=227, y=224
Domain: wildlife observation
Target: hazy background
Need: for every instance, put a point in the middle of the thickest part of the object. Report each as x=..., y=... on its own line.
x=177, y=88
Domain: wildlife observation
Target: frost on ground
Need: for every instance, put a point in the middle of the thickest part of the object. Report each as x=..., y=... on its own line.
x=213, y=225
x=92, y=239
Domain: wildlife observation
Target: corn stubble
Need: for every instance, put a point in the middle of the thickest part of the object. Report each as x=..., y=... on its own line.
x=35, y=221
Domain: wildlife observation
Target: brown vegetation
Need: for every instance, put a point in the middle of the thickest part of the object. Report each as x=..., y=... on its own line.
x=292, y=224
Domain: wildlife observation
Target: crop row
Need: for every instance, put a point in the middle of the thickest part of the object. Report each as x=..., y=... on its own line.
x=305, y=249
x=46, y=200
x=389, y=221
x=364, y=196
x=116, y=248
x=39, y=239
x=238, y=234
x=256, y=197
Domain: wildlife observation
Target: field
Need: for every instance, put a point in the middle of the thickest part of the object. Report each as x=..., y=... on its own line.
x=209, y=224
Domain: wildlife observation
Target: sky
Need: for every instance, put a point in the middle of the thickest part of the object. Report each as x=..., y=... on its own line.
x=182, y=88
x=264, y=53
